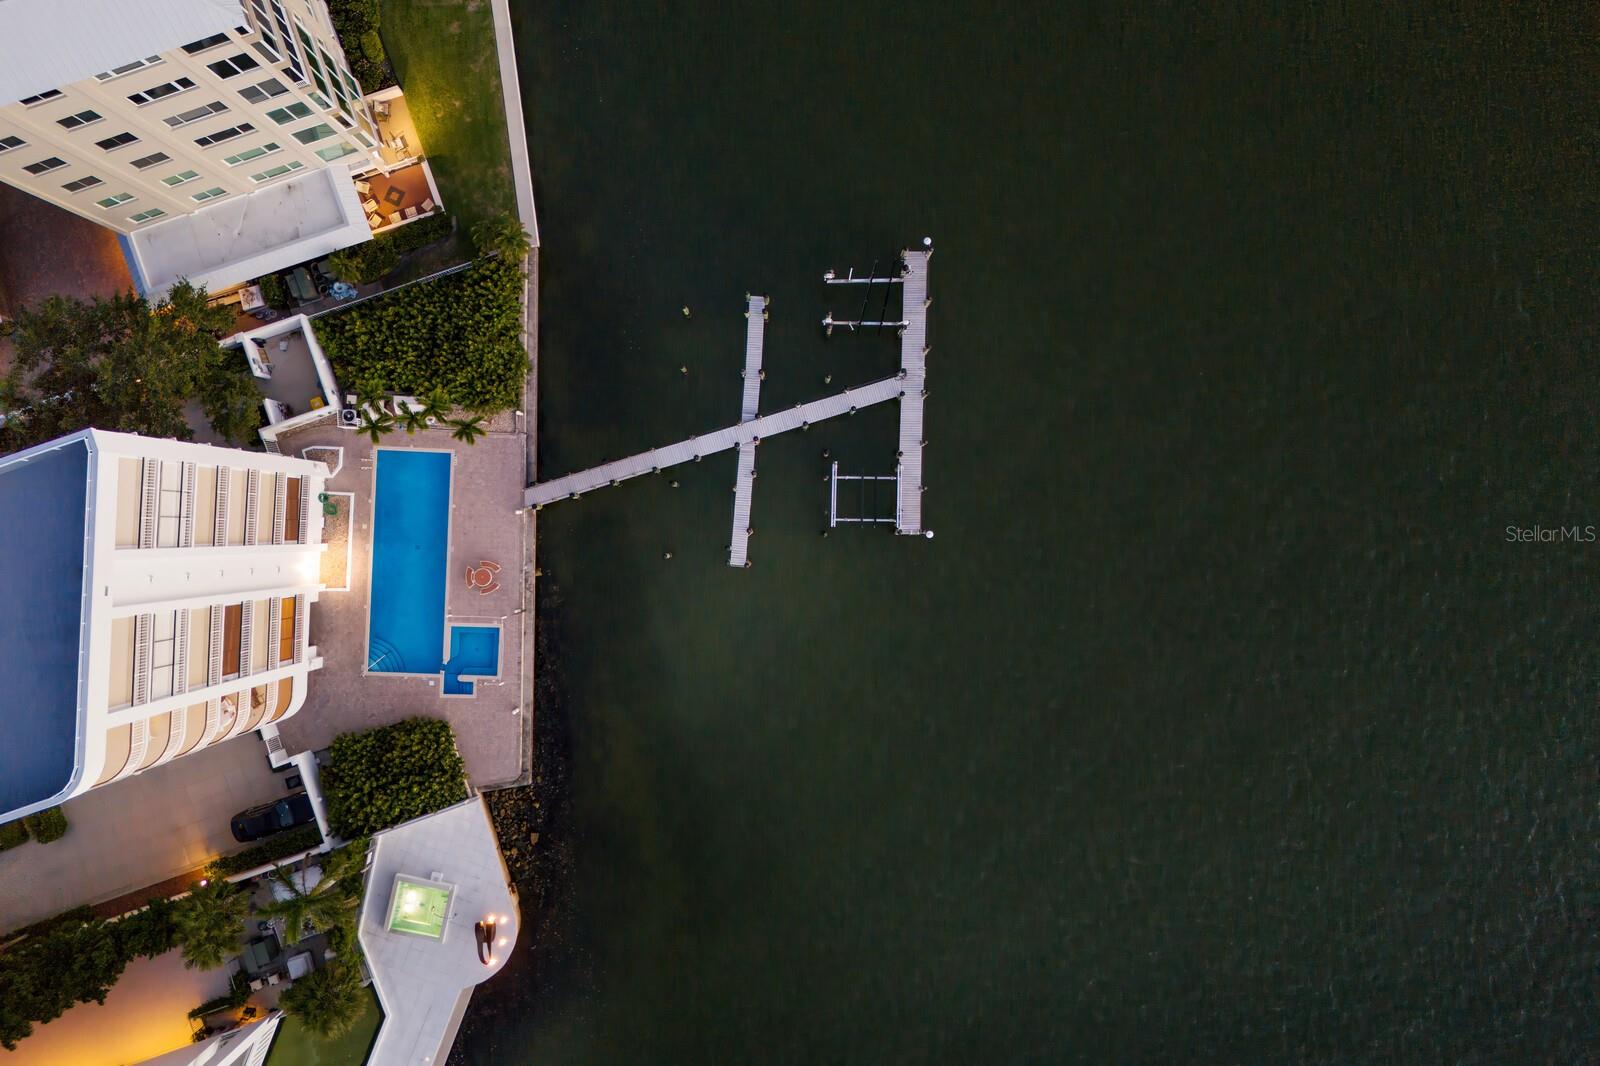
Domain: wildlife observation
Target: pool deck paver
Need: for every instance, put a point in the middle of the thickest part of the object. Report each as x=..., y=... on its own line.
x=486, y=489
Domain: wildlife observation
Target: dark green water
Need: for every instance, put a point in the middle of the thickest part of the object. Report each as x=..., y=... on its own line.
x=1221, y=722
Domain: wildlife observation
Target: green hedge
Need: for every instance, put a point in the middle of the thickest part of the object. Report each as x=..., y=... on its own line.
x=73, y=958
x=48, y=825
x=278, y=846
x=462, y=333
x=356, y=22
x=390, y=775
x=371, y=260
x=13, y=833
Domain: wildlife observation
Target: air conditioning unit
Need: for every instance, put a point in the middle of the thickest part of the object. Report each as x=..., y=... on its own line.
x=349, y=417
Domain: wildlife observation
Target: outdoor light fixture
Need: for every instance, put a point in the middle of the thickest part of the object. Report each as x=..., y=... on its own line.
x=484, y=933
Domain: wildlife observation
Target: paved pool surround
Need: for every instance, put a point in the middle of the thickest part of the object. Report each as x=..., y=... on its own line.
x=485, y=494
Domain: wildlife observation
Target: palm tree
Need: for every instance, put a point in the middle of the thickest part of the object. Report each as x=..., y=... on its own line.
x=468, y=429
x=207, y=923
x=436, y=405
x=307, y=912
x=375, y=422
x=327, y=1001
x=502, y=235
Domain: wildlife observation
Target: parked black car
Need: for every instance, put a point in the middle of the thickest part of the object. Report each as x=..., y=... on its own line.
x=269, y=818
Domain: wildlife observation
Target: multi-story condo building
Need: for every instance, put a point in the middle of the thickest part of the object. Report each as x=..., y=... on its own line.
x=158, y=597
x=217, y=136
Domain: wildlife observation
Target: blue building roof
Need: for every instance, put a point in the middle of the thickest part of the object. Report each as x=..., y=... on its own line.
x=43, y=511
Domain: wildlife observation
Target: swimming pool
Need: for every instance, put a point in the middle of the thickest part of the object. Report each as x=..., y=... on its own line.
x=475, y=652
x=410, y=542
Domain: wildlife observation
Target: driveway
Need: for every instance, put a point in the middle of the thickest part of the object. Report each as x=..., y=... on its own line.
x=138, y=832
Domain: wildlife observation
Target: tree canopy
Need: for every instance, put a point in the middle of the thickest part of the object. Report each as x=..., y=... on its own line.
x=121, y=364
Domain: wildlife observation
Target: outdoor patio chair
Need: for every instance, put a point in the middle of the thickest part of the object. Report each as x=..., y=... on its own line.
x=428, y=204
x=492, y=567
x=492, y=587
x=363, y=187
x=374, y=221
x=369, y=205
x=410, y=212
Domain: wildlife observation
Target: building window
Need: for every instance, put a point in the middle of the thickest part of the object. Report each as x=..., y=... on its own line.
x=224, y=135
x=145, y=162
x=321, y=101
x=338, y=151
x=209, y=194
x=82, y=118
x=128, y=68
x=120, y=140
x=146, y=216
x=205, y=42
x=45, y=166
x=263, y=91
x=29, y=101
x=252, y=153
x=266, y=51
x=157, y=92
x=115, y=199
x=178, y=179
x=233, y=66
x=285, y=115
x=8, y=142
x=195, y=114
x=313, y=133
x=81, y=184
x=278, y=171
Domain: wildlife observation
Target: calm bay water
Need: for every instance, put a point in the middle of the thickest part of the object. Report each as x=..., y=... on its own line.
x=1221, y=721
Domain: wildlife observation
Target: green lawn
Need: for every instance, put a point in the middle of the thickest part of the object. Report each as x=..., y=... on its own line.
x=443, y=53
x=294, y=1046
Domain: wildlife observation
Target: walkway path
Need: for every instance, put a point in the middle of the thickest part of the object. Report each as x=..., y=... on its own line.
x=719, y=440
x=914, y=365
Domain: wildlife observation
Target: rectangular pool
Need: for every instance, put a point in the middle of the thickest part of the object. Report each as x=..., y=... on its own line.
x=410, y=541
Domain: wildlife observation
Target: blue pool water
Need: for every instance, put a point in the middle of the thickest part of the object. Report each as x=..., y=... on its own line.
x=410, y=535
x=474, y=651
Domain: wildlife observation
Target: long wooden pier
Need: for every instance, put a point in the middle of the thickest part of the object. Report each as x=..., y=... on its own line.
x=744, y=483
x=909, y=386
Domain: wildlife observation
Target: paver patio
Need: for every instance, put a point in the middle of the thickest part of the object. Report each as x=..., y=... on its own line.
x=139, y=831
x=485, y=494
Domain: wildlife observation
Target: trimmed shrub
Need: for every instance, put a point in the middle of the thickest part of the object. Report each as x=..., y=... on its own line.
x=361, y=263
x=72, y=958
x=390, y=775
x=274, y=291
x=462, y=333
x=356, y=22
x=49, y=824
x=278, y=846
x=13, y=833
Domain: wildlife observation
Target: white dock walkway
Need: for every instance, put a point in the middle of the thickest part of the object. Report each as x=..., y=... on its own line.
x=755, y=331
x=720, y=440
x=744, y=482
x=914, y=365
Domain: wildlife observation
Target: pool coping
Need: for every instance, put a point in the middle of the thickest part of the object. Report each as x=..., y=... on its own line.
x=435, y=680
x=473, y=622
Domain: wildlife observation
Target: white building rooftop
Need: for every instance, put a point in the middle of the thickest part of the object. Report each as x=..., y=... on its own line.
x=45, y=44
x=289, y=222
x=451, y=861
